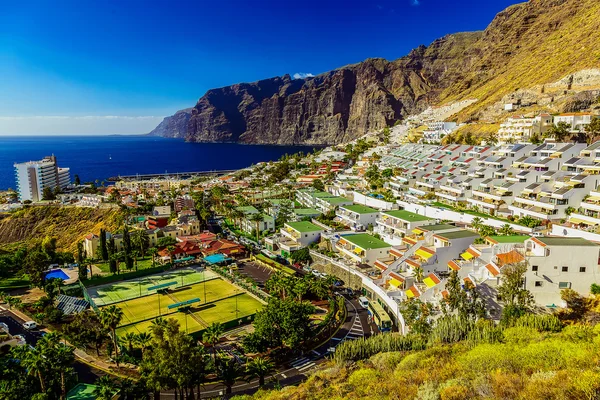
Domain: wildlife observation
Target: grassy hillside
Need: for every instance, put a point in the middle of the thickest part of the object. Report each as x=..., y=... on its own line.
x=67, y=224
x=522, y=363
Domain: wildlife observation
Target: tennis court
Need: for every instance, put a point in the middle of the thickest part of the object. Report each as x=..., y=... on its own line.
x=223, y=305
x=134, y=288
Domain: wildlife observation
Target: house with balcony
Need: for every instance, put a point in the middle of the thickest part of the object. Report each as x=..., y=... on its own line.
x=248, y=225
x=575, y=121
x=588, y=212
x=492, y=195
x=395, y=224
x=561, y=263
x=357, y=216
x=554, y=201
x=362, y=248
x=518, y=128
x=292, y=237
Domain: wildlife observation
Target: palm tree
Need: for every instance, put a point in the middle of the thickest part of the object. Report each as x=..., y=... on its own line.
x=157, y=326
x=320, y=288
x=211, y=335
x=143, y=340
x=111, y=317
x=153, y=251
x=476, y=223
x=507, y=230
x=130, y=338
x=236, y=215
x=418, y=274
x=257, y=219
x=228, y=372
x=33, y=361
x=140, y=240
x=105, y=388
x=259, y=367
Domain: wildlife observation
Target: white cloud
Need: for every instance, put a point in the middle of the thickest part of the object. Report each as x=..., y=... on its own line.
x=77, y=125
x=302, y=75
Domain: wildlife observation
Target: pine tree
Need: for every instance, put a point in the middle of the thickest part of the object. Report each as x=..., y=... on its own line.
x=103, y=248
x=127, y=248
x=112, y=249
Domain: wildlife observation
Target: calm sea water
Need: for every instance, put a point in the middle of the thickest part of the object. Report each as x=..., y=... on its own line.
x=101, y=157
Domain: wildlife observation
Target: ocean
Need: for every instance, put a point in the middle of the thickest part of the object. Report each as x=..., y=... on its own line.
x=101, y=157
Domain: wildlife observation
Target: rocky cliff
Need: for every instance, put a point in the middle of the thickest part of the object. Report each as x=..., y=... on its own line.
x=525, y=45
x=174, y=126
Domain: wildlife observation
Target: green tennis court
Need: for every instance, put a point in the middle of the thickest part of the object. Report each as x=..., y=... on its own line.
x=119, y=291
x=216, y=309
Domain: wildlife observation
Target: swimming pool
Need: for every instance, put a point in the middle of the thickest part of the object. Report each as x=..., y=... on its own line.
x=58, y=274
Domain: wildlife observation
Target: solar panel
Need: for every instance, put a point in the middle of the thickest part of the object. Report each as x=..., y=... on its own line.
x=71, y=305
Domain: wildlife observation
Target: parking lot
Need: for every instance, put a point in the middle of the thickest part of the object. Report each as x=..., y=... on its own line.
x=259, y=273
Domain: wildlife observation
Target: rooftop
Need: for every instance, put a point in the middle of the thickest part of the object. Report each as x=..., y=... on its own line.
x=463, y=233
x=366, y=241
x=406, y=215
x=509, y=239
x=303, y=226
x=306, y=211
x=565, y=241
x=360, y=209
x=437, y=227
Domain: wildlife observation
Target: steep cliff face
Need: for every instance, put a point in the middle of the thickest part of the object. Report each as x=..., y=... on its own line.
x=527, y=44
x=174, y=126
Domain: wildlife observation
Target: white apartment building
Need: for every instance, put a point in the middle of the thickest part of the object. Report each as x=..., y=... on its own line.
x=357, y=215
x=519, y=128
x=34, y=176
x=560, y=263
x=576, y=121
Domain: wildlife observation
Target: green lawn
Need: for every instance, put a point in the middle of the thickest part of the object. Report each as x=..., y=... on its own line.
x=14, y=282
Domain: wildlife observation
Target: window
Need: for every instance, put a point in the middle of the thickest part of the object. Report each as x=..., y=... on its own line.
x=565, y=269
x=564, y=285
x=539, y=283
x=581, y=269
x=534, y=268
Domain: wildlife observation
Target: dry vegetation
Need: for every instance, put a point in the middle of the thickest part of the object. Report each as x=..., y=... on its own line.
x=67, y=224
x=529, y=44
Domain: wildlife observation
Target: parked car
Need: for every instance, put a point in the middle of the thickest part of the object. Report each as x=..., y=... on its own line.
x=316, y=273
x=29, y=325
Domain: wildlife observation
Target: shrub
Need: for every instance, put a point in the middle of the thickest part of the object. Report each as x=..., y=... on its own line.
x=362, y=349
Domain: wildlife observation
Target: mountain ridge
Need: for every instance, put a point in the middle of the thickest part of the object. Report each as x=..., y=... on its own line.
x=524, y=45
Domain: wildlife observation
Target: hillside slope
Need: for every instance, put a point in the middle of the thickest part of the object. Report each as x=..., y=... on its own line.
x=525, y=45
x=67, y=224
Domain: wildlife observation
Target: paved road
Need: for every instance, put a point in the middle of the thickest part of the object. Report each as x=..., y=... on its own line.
x=85, y=373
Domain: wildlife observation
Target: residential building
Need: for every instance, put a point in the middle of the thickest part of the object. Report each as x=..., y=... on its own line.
x=395, y=224
x=362, y=248
x=184, y=203
x=357, y=216
x=575, y=121
x=518, y=128
x=292, y=237
x=33, y=177
x=560, y=263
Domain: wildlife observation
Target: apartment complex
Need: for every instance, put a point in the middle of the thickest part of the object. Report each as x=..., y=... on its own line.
x=33, y=177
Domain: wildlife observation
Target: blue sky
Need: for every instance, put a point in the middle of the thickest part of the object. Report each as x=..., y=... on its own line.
x=89, y=64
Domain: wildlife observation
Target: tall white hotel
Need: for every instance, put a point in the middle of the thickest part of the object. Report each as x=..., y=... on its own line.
x=33, y=176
